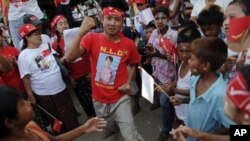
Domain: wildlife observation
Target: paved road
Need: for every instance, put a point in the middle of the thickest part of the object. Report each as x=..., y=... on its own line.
x=148, y=123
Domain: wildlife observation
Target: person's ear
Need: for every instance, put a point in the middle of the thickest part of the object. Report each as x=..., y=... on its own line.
x=206, y=66
x=9, y=123
x=27, y=38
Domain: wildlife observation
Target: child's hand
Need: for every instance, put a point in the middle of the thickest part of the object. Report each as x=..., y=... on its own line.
x=175, y=100
x=169, y=88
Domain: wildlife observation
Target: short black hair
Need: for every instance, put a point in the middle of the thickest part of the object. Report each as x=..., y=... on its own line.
x=187, y=23
x=210, y=49
x=9, y=98
x=150, y=25
x=162, y=9
x=188, y=34
x=120, y=4
x=212, y=15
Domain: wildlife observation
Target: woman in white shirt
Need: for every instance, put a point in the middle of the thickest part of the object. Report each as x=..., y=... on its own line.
x=43, y=79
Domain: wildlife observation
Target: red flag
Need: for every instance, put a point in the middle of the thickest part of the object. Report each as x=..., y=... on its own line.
x=57, y=125
x=169, y=47
x=237, y=26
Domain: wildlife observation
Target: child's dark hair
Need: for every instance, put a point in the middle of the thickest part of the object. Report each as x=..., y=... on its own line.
x=8, y=107
x=120, y=4
x=210, y=49
x=212, y=15
x=161, y=9
x=150, y=25
x=188, y=34
x=244, y=4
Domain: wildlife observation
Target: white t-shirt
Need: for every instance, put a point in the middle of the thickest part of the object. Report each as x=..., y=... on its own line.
x=65, y=2
x=18, y=8
x=200, y=4
x=45, y=40
x=183, y=83
x=40, y=64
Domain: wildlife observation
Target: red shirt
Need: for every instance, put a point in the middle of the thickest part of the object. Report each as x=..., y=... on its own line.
x=12, y=78
x=77, y=69
x=1, y=81
x=109, y=63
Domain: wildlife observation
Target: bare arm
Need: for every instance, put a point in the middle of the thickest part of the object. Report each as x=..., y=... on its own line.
x=27, y=86
x=131, y=73
x=93, y=124
x=75, y=50
x=181, y=91
x=212, y=137
x=5, y=6
x=175, y=9
x=126, y=87
x=5, y=66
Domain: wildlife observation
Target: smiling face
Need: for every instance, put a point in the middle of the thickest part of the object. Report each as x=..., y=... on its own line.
x=112, y=24
x=195, y=64
x=61, y=25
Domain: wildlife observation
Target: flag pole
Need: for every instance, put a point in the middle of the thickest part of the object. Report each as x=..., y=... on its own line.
x=46, y=112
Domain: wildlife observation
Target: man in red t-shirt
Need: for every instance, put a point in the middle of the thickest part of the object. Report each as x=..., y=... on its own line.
x=110, y=53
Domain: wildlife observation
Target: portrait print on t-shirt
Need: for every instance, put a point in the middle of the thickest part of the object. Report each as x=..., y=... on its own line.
x=41, y=60
x=107, y=66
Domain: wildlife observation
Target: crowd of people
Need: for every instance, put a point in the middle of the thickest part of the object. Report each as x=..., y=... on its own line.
x=189, y=49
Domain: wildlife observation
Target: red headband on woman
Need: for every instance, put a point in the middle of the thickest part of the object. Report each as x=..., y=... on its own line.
x=55, y=20
x=108, y=11
x=239, y=94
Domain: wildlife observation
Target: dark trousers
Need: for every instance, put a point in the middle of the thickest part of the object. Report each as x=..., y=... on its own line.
x=83, y=92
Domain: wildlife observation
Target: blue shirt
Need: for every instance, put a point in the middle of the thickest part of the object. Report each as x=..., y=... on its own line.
x=206, y=112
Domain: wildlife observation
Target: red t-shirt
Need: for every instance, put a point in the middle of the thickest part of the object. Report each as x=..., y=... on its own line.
x=109, y=63
x=12, y=78
x=1, y=81
x=77, y=69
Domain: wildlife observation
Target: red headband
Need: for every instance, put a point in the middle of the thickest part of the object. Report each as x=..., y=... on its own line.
x=55, y=20
x=107, y=11
x=238, y=92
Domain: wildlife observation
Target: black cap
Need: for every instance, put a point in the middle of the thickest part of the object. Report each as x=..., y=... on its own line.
x=31, y=19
